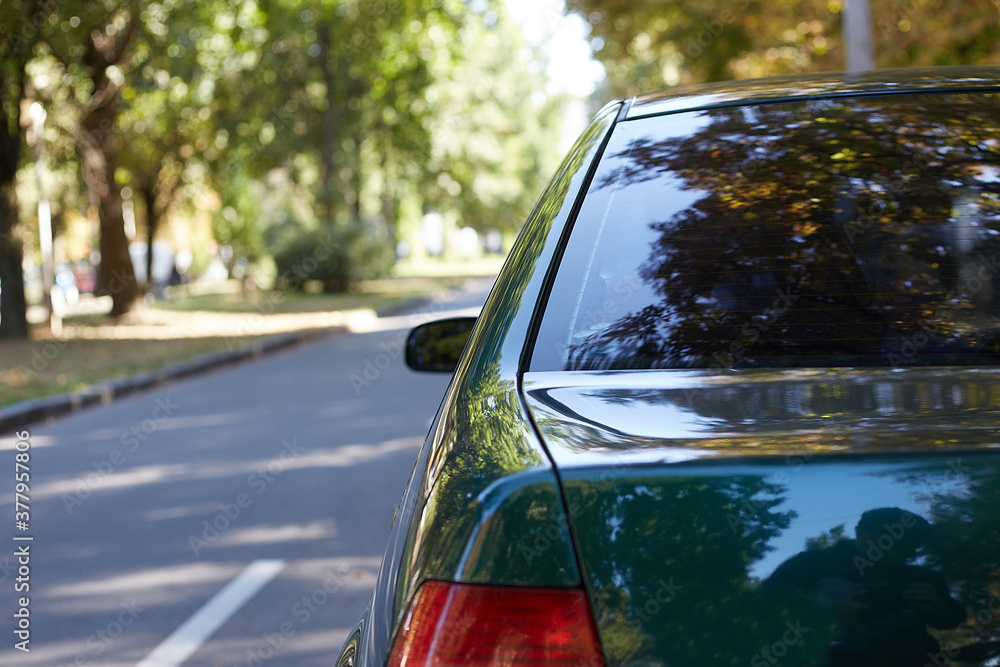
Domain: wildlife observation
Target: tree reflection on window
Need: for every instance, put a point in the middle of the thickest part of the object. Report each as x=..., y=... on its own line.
x=851, y=232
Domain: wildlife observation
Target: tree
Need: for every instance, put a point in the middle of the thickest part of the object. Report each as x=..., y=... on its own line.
x=663, y=43
x=492, y=129
x=375, y=112
x=297, y=114
x=20, y=24
x=166, y=115
x=93, y=43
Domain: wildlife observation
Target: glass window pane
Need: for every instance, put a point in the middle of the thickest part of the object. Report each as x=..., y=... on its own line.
x=845, y=232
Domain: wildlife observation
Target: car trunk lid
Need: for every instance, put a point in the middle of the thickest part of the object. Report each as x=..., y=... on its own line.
x=687, y=490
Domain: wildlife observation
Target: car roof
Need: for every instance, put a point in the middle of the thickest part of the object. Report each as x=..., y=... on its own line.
x=811, y=86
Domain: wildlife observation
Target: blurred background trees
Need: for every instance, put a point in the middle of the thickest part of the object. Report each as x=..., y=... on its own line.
x=245, y=135
x=188, y=137
x=661, y=43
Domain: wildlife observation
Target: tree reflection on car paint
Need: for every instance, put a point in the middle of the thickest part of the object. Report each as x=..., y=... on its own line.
x=721, y=527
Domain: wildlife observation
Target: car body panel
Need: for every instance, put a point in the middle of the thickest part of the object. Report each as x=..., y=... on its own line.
x=591, y=418
x=483, y=501
x=675, y=496
x=685, y=573
x=821, y=85
x=687, y=489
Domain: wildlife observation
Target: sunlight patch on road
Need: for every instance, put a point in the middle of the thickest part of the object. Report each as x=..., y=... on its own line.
x=119, y=479
x=180, y=511
x=337, y=457
x=269, y=534
x=144, y=580
x=408, y=321
x=8, y=442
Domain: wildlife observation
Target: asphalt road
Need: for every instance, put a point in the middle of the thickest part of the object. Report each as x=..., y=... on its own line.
x=237, y=518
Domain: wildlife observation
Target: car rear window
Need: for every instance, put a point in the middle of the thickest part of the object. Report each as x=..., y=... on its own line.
x=846, y=232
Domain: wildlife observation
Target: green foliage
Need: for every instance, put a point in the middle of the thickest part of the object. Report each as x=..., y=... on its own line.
x=661, y=43
x=385, y=110
x=252, y=121
x=827, y=538
x=492, y=133
x=339, y=256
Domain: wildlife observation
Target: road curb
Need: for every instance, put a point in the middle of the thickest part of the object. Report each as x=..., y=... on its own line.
x=26, y=412
x=407, y=306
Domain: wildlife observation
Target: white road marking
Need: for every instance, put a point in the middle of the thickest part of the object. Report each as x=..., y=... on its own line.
x=189, y=637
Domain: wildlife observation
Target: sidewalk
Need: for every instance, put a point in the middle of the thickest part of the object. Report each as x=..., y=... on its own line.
x=26, y=412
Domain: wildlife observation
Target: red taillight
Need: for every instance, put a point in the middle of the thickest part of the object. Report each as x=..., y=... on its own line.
x=450, y=624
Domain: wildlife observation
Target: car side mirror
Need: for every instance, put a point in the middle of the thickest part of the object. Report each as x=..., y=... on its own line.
x=437, y=346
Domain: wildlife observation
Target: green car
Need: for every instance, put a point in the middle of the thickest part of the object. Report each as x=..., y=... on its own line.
x=733, y=400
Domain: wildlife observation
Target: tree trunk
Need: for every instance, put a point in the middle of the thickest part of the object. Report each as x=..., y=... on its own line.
x=99, y=162
x=389, y=203
x=152, y=222
x=96, y=140
x=13, y=307
x=390, y=216
x=331, y=120
x=356, y=179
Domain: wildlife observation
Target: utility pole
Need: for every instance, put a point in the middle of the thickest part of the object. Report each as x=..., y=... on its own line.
x=37, y=114
x=858, y=36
